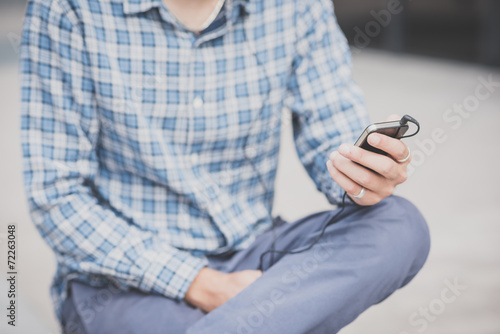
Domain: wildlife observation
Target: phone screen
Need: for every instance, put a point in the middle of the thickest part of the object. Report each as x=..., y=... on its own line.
x=394, y=132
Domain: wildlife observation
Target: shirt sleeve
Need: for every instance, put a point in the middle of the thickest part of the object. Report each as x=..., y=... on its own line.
x=60, y=129
x=327, y=105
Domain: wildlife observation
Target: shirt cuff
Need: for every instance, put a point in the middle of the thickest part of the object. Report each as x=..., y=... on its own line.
x=171, y=275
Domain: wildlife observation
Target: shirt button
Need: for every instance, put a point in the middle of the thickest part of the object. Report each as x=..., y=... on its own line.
x=217, y=208
x=194, y=158
x=251, y=152
x=197, y=102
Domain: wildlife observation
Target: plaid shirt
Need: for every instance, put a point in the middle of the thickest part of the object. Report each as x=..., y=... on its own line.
x=147, y=147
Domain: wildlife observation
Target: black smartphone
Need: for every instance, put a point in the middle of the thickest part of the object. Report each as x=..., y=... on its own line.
x=394, y=129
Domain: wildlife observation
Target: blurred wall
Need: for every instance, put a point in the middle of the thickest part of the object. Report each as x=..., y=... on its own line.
x=465, y=30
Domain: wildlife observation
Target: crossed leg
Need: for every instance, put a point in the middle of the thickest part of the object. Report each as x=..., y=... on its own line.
x=362, y=259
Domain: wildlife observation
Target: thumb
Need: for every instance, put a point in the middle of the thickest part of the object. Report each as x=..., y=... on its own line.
x=256, y=274
x=393, y=117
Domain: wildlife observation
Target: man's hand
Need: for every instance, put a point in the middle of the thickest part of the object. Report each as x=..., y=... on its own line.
x=353, y=177
x=212, y=288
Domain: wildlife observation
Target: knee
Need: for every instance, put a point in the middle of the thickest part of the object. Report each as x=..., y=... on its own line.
x=408, y=234
x=415, y=227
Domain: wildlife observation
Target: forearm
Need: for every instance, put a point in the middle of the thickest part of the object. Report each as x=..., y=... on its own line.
x=94, y=240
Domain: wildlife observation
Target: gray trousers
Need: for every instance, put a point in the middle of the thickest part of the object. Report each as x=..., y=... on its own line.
x=362, y=259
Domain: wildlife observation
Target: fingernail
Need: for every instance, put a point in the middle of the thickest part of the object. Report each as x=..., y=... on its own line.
x=329, y=164
x=332, y=155
x=374, y=139
x=344, y=149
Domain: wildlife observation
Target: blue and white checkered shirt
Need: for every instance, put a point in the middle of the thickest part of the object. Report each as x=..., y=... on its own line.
x=147, y=147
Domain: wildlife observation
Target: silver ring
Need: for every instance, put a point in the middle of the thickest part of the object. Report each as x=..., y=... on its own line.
x=408, y=157
x=361, y=194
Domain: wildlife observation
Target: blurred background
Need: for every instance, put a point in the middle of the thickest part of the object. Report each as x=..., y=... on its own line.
x=422, y=57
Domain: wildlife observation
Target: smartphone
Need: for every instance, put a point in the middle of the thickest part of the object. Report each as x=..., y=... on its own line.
x=392, y=129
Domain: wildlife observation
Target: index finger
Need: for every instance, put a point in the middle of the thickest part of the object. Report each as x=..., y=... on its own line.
x=394, y=147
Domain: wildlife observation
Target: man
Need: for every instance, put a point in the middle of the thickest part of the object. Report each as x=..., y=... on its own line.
x=150, y=137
